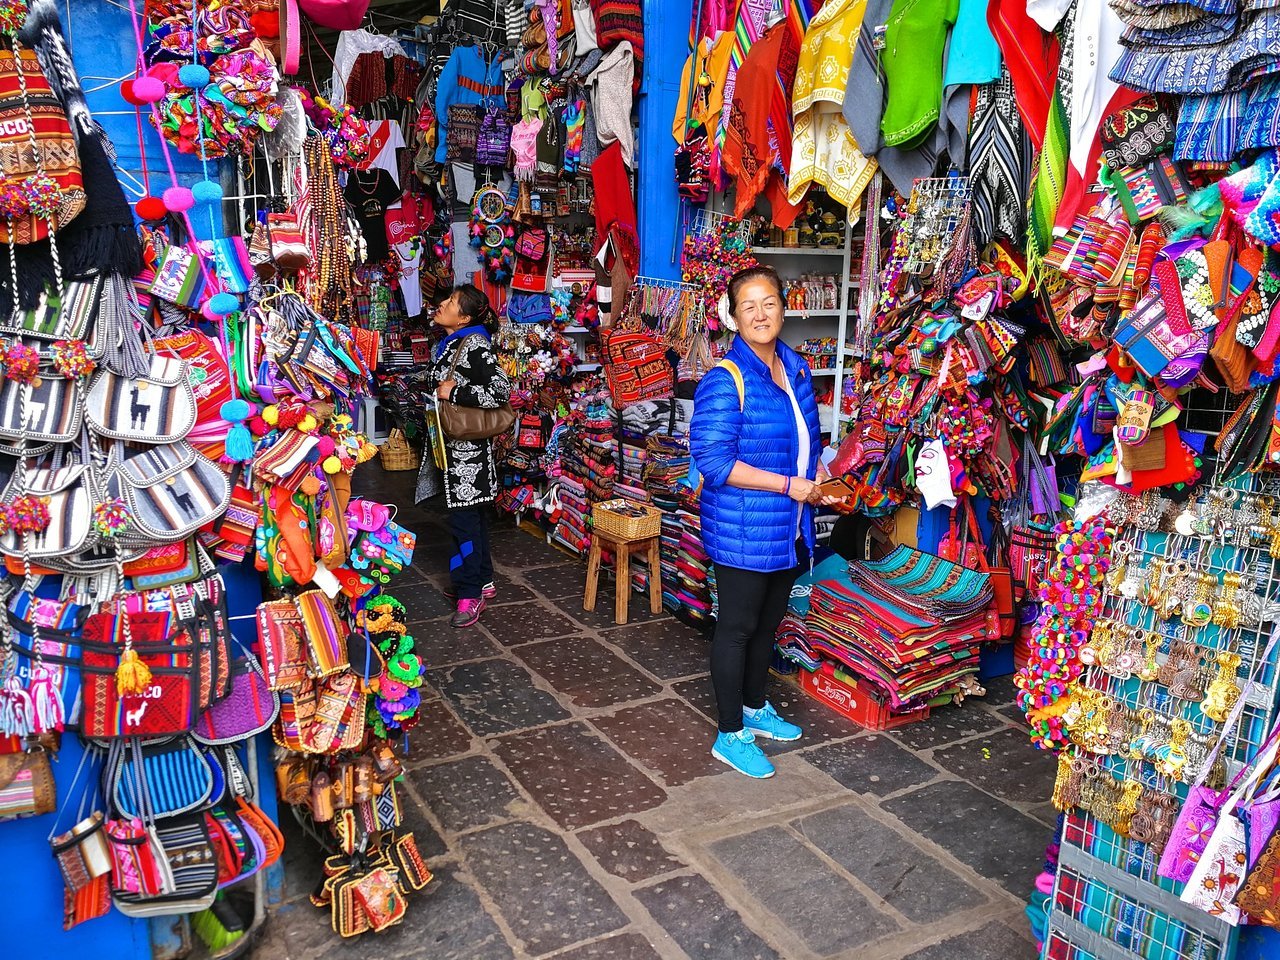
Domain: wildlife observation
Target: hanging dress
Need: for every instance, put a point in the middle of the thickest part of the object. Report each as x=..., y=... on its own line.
x=823, y=149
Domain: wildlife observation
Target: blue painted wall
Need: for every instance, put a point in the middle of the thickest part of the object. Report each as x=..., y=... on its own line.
x=666, y=46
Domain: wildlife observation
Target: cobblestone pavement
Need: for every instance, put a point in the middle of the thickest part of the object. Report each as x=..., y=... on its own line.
x=562, y=788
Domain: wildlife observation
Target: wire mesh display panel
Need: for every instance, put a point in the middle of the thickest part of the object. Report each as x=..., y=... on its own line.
x=1109, y=900
x=1100, y=912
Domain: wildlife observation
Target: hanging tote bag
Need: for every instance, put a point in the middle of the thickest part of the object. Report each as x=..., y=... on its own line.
x=250, y=709
x=1220, y=872
x=636, y=366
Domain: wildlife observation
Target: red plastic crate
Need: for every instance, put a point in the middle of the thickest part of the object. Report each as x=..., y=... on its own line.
x=843, y=695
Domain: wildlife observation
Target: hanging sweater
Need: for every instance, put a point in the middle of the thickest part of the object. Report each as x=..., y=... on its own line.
x=915, y=37
x=618, y=22
x=466, y=78
x=708, y=101
x=611, y=100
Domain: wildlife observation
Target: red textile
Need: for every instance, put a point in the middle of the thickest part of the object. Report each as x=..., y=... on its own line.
x=1031, y=56
x=748, y=149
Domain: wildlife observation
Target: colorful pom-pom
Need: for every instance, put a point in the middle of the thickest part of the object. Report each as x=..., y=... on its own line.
x=178, y=199
x=331, y=465
x=43, y=195
x=310, y=485
x=22, y=363
x=71, y=358
x=193, y=75
x=127, y=94
x=13, y=14
x=150, y=208
x=28, y=514
x=148, y=89
x=206, y=192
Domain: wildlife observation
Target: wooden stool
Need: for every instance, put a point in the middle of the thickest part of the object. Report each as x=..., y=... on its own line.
x=622, y=550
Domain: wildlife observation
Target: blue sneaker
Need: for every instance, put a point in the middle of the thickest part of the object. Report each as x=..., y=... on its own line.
x=766, y=723
x=739, y=751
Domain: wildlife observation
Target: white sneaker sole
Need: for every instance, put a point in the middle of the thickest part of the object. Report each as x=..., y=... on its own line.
x=769, y=736
x=729, y=763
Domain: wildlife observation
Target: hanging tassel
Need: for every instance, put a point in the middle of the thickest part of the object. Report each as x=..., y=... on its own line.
x=49, y=713
x=239, y=447
x=132, y=675
x=17, y=717
x=118, y=319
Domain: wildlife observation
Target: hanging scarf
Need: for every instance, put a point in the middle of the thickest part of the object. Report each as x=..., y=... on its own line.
x=747, y=148
x=1000, y=163
x=574, y=123
x=1050, y=183
x=1047, y=187
x=748, y=27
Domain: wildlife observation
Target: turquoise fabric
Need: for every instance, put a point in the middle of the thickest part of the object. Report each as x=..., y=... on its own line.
x=974, y=56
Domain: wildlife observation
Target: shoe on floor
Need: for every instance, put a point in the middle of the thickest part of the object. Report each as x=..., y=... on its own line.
x=739, y=751
x=468, y=612
x=487, y=592
x=766, y=723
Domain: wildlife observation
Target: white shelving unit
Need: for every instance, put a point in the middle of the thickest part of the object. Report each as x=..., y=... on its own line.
x=791, y=263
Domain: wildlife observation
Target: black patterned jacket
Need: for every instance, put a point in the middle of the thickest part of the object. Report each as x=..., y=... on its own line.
x=470, y=477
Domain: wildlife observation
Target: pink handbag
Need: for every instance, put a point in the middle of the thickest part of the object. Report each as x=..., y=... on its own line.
x=1191, y=832
x=249, y=709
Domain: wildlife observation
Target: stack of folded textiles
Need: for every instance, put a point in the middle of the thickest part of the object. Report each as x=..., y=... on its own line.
x=688, y=583
x=910, y=624
x=793, y=641
x=570, y=529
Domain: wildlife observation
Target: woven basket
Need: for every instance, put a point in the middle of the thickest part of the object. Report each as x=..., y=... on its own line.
x=397, y=453
x=607, y=521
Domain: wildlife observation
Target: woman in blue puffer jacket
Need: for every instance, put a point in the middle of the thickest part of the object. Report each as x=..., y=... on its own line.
x=754, y=438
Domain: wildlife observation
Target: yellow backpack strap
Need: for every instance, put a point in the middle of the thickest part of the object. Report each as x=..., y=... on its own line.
x=736, y=373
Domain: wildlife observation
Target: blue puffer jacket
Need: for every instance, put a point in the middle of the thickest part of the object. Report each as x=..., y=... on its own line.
x=752, y=529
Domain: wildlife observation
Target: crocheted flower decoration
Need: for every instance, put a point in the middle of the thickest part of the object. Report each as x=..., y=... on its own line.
x=111, y=517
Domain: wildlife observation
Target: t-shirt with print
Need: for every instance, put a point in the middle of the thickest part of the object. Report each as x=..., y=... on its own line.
x=369, y=192
x=385, y=139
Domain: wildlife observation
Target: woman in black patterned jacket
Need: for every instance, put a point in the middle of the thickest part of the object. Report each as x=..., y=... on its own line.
x=470, y=477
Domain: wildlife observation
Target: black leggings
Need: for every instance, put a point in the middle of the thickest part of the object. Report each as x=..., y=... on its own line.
x=470, y=567
x=751, y=607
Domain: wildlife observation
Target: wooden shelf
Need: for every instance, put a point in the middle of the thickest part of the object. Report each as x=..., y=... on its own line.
x=798, y=251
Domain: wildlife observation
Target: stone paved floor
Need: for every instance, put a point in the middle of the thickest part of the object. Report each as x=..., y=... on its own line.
x=562, y=788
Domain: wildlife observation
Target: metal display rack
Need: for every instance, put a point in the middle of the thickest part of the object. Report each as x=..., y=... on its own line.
x=1108, y=902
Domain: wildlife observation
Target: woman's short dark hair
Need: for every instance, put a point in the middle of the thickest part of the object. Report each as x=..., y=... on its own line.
x=743, y=277
x=474, y=305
